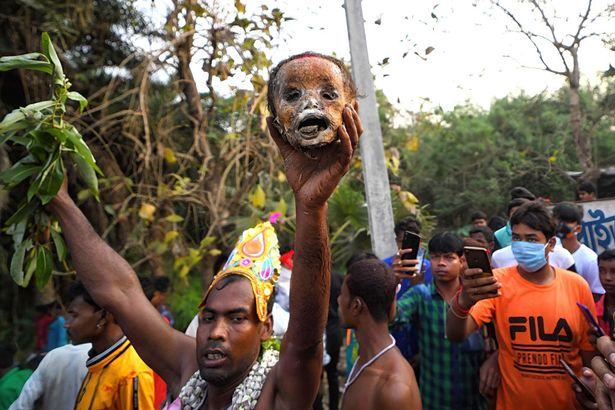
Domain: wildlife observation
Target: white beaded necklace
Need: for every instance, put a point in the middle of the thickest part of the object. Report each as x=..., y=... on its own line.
x=246, y=395
x=353, y=377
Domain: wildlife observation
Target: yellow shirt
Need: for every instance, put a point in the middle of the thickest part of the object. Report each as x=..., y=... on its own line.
x=117, y=379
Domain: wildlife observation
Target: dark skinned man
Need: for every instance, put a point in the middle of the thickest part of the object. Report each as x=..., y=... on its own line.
x=231, y=318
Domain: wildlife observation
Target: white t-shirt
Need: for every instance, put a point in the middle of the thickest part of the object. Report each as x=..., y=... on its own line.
x=56, y=380
x=586, y=262
x=560, y=258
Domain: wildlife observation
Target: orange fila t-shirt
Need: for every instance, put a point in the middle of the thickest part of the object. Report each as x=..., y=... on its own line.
x=536, y=325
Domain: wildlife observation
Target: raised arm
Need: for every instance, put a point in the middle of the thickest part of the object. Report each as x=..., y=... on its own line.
x=115, y=287
x=313, y=181
x=459, y=324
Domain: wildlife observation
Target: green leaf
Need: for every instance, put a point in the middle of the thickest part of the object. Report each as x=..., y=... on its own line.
x=87, y=174
x=17, y=272
x=59, y=244
x=50, y=52
x=44, y=139
x=80, y=146
x=75, y=96
x=18, y=173
x=17, y=231
x=23, y=117
x=51, y=183
x=44, y=266
x=30, y=61
x=23, y=212
x=47, y=168
x=57, y=133
x=30, y=266
x=174, y=218
x=206, y=241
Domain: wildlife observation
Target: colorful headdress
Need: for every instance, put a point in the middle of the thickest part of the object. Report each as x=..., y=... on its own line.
x=256, y=257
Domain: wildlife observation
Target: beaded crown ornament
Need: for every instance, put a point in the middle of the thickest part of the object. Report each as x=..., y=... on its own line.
x=256, y=257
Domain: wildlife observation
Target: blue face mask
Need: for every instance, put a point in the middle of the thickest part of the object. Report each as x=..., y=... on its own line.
x=530, y=256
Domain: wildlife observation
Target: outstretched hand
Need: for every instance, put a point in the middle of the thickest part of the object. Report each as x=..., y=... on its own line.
x=314, y=179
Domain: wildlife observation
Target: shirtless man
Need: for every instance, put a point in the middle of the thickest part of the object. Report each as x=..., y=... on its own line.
x=230, y=329
x=381, y=377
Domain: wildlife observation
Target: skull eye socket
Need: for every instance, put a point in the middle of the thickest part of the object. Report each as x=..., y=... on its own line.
x=292, y=95
x=330, y=95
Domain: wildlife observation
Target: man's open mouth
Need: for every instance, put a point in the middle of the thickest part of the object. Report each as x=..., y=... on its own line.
x=312, y=125
x=213, y=355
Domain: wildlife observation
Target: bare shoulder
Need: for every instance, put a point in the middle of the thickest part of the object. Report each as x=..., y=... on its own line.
x=398, y=388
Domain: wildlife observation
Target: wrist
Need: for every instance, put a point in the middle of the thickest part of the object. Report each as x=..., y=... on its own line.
x=464, y=300
x=304, y=208
x=58, y=204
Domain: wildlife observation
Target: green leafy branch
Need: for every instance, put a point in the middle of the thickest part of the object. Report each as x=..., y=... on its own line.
x=41, y=128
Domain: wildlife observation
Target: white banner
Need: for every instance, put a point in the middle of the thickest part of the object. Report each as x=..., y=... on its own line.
x=598, y=224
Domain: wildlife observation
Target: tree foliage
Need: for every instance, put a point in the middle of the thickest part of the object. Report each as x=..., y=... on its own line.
x=469, y=158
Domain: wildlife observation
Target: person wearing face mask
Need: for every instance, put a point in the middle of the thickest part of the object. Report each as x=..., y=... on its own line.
x=533, y=306
x=568, y=218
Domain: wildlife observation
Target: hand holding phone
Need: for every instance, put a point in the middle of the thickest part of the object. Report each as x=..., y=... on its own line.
x=586, y=390
x=590, y=319
x=411, y=241
x=478, y=258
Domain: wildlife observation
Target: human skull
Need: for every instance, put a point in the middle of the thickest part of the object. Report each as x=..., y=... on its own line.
x=309, y=101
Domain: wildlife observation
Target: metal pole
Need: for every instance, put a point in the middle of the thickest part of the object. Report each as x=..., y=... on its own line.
x=377, y=191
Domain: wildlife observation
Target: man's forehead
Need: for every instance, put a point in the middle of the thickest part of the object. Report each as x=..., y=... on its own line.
x=523, y=229
x=233, y=295
x=439, y=254
x=479, y=236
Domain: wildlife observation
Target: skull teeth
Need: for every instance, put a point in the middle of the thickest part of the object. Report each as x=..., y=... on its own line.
x=309, y=129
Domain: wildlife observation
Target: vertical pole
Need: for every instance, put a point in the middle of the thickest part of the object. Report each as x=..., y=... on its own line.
x=381, y=225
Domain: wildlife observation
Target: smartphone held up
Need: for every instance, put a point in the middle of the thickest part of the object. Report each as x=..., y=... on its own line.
x=478, y=258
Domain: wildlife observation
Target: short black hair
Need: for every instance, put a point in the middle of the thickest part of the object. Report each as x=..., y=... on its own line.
x=76, y=289
x=274, y=83
x=515, y=203
x=568, y=212
x=445, y=242
x=478, y=215
x=410, y=223
x=496, y=222
x=359, y=256
x=607, y=255
x=484, y=230
x=535, y=215
x=373, y=281
x=587, y=186
x=521, y=192
x=161, y=283
x=148, y=287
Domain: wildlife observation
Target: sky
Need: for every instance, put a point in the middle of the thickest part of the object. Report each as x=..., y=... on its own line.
x=476, y=58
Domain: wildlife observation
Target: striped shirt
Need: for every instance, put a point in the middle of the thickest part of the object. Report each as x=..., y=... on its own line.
x=449, y=372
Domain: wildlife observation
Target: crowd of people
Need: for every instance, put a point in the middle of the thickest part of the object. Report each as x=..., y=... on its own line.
x=431, y=331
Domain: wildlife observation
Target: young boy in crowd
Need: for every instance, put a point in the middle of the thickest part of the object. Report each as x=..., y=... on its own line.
x=449, y=375
x=406, y=336
x=479, y=218
x=568, y=218
x=484, y=236
x=605, y=306
x=534, y=308
x=586, y=191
